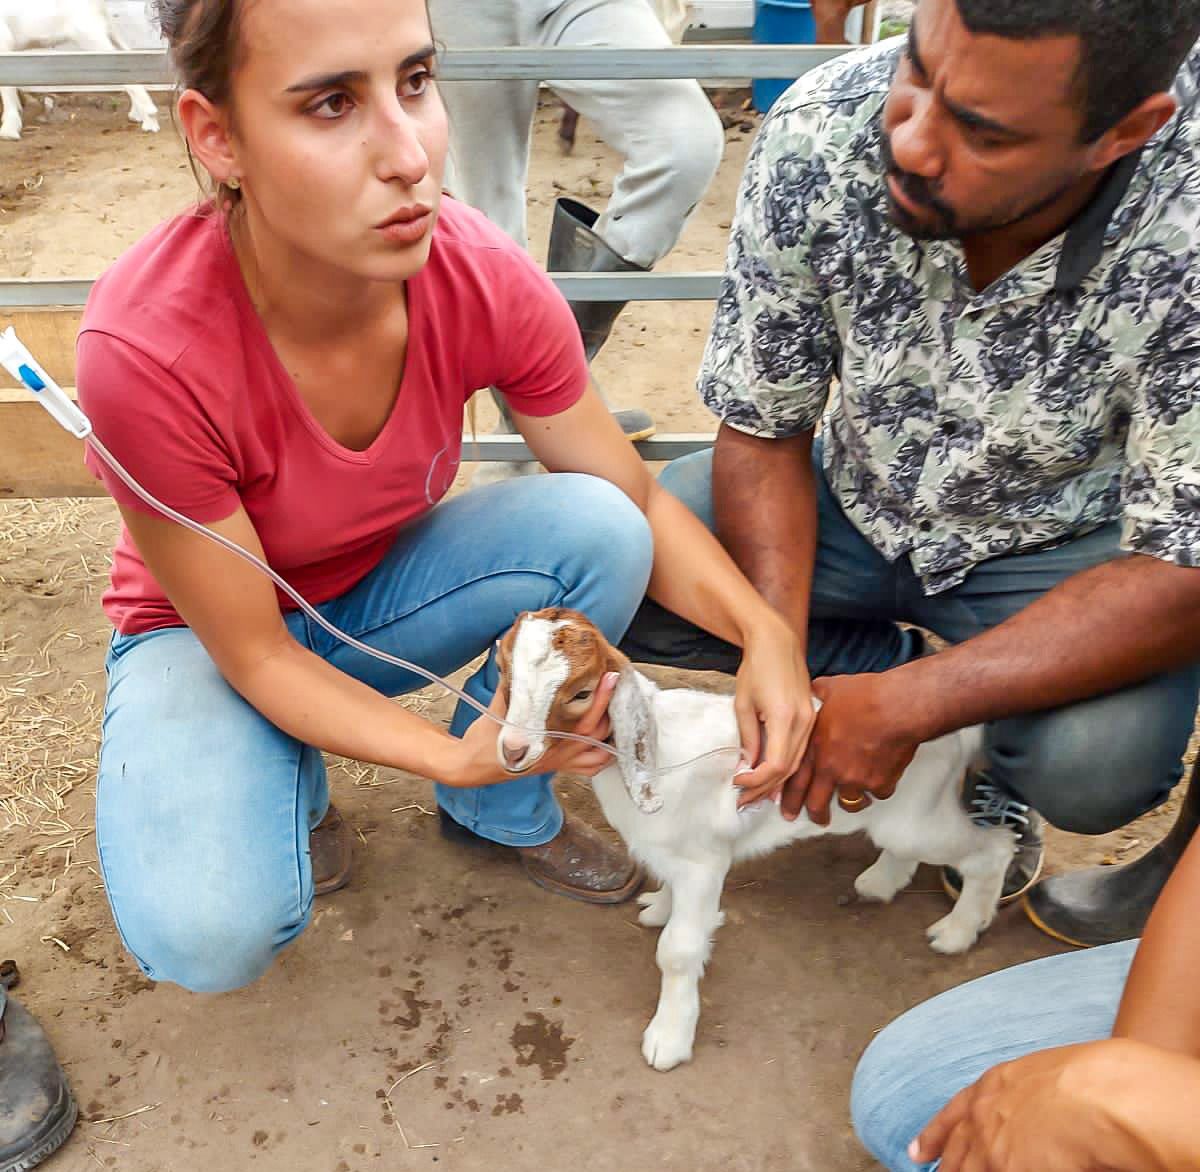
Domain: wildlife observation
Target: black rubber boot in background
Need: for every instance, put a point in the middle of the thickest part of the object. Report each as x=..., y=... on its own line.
x=37, y=1109
x=576, y=248
x=1104, y=905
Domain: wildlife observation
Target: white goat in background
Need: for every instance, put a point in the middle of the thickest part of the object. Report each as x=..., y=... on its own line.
x=684, y=824
x=58, y=24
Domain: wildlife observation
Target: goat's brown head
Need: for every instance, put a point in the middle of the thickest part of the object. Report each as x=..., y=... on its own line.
x=551, y=662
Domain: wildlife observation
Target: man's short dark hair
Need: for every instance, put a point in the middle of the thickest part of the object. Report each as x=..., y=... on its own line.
x=1131, y=48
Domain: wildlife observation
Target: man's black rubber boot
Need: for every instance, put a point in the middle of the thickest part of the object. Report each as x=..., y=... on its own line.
x=576, y=248
x=37, y=1109
x=1104, y=905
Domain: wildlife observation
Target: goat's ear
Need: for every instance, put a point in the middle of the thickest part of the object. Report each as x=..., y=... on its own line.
x=504, y=647
x=635, y=737
x=614, y=660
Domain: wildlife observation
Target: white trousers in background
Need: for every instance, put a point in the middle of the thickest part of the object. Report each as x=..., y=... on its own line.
x=667, y=132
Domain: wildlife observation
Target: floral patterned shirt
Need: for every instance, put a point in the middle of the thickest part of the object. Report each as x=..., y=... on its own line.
x=964, y=425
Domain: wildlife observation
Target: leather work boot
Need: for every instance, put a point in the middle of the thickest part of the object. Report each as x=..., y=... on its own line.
x=330, y=843
x=37, y=1109
x=577, y=862
x=1105, y=905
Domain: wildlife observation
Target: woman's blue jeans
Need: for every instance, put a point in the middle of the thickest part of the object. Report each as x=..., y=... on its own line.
x=204, y=806
x=923, y=1059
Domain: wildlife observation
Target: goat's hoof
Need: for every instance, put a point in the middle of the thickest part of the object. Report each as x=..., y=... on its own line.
x=951, y=937
x=10, y=135
x=150, y=126
x=874, y=887
x=656, y=908
x=665, y=1046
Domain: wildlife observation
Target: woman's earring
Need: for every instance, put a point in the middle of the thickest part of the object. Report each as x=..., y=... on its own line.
x=233, y=183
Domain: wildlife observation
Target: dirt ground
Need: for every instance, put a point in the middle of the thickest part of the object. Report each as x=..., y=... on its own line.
x=441, y=1010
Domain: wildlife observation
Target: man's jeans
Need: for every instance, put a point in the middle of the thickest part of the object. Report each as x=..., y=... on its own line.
x=204, y=806
x=1089, y=767
x=923, y=1059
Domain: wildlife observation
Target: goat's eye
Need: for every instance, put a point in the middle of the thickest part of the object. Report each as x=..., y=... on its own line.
x=586, y=694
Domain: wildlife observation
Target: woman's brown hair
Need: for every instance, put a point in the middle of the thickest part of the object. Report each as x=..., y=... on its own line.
x=202, y=39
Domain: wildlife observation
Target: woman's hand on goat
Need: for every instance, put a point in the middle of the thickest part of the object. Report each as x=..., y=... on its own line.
x=773, y=698
x=474, y=761
x=860, y=744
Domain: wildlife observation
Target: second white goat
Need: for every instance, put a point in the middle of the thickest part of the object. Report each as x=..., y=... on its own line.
x=57, y=24
x=683, y=824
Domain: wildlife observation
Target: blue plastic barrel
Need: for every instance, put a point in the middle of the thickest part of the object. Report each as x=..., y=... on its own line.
x=780, y=22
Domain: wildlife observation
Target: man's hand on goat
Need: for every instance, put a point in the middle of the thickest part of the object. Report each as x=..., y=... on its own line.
x=860, y=745
x=773, y=697
x=476, y=763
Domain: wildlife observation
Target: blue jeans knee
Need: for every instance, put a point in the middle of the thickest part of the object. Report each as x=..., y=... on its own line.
x=1095, y=766
x=690, y=480
x=217, y=948
x=608, y=550
x=919, y=1062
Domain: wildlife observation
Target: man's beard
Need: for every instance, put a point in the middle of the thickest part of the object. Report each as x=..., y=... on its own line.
x=944, y=222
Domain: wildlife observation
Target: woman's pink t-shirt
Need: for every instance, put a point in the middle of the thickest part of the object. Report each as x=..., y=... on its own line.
x=178, y=376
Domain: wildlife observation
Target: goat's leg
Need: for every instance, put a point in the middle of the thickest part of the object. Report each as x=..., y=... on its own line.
x=567, y=128
x=99, y=37
x=10, y=113
x=142, y=109
x=982, y=873
x=656, y=907
x=885, y=877
x=683, y=950
x=10, y=100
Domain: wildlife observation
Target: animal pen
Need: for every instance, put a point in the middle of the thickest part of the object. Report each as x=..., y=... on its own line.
x=448, y=1015
x=41, y=461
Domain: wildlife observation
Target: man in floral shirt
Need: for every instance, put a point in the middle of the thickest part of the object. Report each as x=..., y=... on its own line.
x=974, y=260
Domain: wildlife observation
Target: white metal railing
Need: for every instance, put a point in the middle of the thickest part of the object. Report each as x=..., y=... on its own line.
x=716, y=62
x=30, y=293
x=709, y=62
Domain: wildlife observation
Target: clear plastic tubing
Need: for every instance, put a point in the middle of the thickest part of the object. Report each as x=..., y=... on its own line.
x=21, y=364
x=318, y=618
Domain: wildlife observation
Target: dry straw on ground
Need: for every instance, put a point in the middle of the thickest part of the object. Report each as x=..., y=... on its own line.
x=49, y=717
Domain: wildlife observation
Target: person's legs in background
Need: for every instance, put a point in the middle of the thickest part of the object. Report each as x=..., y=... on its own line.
x=670, y=140
x=671, y=152
x=666, y=130
x=1089, y=767
x=916, y=1065
x=490, y=121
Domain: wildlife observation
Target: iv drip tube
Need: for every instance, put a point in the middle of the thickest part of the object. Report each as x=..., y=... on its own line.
x=15, y=358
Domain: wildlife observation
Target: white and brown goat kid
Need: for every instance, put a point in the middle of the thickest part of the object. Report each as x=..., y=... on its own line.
x=684, y=824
